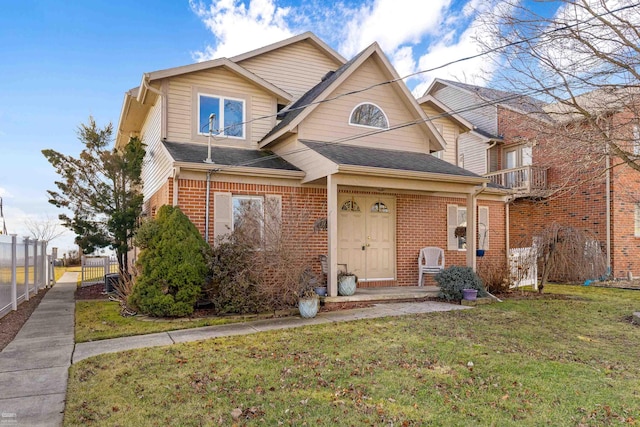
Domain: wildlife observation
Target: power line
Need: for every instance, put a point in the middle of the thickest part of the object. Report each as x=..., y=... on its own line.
x=456, y=61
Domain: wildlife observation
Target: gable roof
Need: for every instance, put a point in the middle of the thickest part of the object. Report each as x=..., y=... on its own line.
x=306, y=36
x=226, y=156
x=445, y=111
x=513, y=101
x=342, y=154
x=301, y=108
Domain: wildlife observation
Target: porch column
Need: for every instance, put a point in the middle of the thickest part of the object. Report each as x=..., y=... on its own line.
x=332, y=236
x=471, y=230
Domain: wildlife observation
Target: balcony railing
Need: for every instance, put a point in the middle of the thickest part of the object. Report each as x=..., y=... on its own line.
x=525, y=180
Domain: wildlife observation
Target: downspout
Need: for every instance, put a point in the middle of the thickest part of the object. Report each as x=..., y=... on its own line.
x=145, y=83
x=608, y=211
x=206, y=211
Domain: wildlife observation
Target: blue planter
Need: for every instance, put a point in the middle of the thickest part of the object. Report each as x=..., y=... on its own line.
x=480, y=252
x=347, y=285
x=309, y=307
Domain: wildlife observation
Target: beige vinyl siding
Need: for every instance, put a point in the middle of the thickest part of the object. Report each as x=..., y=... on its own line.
x=474, y=151
x=182, y=114
x=330, y=121
x=314, y=165
x=157, y=164
x=295, y=68
x=450, y=132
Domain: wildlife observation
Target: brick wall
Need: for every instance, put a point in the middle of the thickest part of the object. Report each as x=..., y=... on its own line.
x=421, y=221
x=625, y=186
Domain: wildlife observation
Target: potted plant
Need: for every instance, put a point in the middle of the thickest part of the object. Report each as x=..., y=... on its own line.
x=347, y=283
x=308, y=299
x=308, y=303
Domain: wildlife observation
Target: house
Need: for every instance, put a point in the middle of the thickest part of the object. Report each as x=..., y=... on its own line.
x=296, y=126
x=515, y=142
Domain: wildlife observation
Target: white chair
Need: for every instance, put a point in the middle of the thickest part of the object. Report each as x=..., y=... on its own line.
x=431, y=261
x=325, y=268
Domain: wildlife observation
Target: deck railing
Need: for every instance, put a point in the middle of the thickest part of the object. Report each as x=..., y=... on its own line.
x=525, y=180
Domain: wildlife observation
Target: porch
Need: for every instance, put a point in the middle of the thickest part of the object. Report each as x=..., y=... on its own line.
x=382, y=294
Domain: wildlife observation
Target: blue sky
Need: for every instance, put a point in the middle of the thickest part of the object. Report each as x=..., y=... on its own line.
x=66, y=60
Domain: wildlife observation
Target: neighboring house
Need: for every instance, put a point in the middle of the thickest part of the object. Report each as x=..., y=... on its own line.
x=548, y=184
x=300, y=129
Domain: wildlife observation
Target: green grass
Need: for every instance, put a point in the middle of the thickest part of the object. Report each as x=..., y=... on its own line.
x=99, y=320
x=570, y=360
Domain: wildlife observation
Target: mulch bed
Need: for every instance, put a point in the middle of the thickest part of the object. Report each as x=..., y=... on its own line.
x=93, y=292
x=11, y=323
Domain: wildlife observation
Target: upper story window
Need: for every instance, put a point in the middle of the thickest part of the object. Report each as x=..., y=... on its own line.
x=229, y=115
x=367, y=114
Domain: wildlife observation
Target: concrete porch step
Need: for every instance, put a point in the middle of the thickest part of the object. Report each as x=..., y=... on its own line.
x=397, y=293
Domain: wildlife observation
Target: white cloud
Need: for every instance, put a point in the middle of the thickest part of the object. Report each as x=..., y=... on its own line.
x=5, y=193
x=415, y=34
x=393, y=23
x=239, y=29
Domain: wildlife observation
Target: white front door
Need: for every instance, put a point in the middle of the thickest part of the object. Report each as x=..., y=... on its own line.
x=366, y=232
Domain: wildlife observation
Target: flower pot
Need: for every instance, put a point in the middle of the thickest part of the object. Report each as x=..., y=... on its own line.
x=469, y=294
x=347, y=285
x=308, y=307
x=480, y=252
x=321, y=291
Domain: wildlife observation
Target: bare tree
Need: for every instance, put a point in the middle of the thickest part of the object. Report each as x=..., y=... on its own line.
x=584, y=62
x=44, y=229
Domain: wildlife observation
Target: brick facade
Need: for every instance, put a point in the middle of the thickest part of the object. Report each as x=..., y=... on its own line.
x=420, y=221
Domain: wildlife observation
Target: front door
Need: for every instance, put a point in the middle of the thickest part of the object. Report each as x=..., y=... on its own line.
x=366, y=235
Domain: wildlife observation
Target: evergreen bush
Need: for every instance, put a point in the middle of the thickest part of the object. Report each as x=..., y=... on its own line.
x=454, y=279
x=173, y=265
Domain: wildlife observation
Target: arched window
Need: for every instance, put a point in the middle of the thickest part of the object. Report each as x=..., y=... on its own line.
x=350, y=205
x=367, y=114
x=379, y=207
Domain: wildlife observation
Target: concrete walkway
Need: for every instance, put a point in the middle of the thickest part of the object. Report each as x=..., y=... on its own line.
x=34, y=366
x=88, y=349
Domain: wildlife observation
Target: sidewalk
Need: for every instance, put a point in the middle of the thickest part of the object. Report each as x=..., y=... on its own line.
x=33, y=367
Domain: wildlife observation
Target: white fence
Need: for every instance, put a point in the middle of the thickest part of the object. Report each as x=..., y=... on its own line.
x=523, y=267
x=24, y=268
x=95, y=268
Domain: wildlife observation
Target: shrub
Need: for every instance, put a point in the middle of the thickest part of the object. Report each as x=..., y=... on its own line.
x=454, y=279
x=494, y=274
x=172, y=265
x=233, y=285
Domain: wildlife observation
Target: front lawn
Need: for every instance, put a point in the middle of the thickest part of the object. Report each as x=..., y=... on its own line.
x=569, y=360
x=99, y=320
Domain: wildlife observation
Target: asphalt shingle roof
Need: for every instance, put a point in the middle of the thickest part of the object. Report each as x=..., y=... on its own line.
x=523, y=103
x=228, y=156
x=387, y=159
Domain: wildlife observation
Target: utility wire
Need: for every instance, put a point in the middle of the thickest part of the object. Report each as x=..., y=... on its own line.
x=490, y=51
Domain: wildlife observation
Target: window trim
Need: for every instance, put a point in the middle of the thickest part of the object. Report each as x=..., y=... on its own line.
x=636, y=221
x=386, y=118
x=221, y=99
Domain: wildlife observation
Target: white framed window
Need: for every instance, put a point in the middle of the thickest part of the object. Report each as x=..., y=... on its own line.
x=438, y=154
x=636, y=140
x=257, y=217
x=229, y=115
x=369, y=115
x=248, y=215
x=636, y=232
x=457, y=228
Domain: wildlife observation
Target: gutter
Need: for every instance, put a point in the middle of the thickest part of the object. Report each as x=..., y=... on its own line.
x=425, y=176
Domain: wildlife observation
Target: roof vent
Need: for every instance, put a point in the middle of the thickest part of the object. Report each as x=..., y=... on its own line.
x=326, y=76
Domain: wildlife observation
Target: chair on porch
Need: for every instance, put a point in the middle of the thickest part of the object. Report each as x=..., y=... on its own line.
x=431, y=261
x=325, y=268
